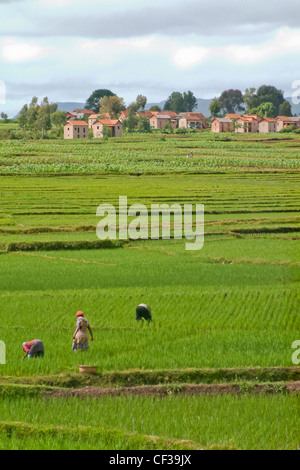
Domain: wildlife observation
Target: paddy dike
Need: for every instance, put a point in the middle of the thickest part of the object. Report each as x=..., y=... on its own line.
x=162, y=391
x=237, y=381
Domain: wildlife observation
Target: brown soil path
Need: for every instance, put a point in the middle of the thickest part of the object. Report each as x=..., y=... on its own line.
x=160, y=390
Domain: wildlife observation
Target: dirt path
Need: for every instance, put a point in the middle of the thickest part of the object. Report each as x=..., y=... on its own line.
x=160, y=391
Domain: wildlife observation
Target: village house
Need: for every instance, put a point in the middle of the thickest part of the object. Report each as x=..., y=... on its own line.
x=246, y=123
x=221, y=125
x=171, y=114
x=114, y=125
x=192, y=121
x=71, y=116
x=233, y=116
x=296, y=121
x=159, y=121
x=82, y=113
x=147, y=114
x=267, y=125
x=124, y=115
x=76, y=130
x=283, y=122
x=94, y=117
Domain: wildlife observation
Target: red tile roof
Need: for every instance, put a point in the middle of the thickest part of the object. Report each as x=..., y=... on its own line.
x=169, y=113
x=77, y=123
x=232, y=116
x=84, y=111
x=107, y=122
x=269, y=119
x=283, y=118
x=194, y=117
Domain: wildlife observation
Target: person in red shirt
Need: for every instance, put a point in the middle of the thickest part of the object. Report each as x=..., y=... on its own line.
x=34, y=348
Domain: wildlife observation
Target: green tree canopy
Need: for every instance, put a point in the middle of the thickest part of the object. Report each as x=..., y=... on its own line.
x=93, y=102
x=113, y=105
x=155, y=108
x=232, y=101
x=265, y=94
x=175, y=103
x=285, y=109
x=270, y=94
x=250, y=99
x=190, y=101
x=181, y=103
x=141, y=102
x=4, y=116
x=215, y=107
x=265, y=110
x=36, y=118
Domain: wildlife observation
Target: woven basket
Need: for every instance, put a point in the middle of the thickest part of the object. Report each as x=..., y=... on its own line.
x=88, y=369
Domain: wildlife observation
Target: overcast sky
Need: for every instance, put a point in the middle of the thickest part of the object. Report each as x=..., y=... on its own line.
x=65, y=49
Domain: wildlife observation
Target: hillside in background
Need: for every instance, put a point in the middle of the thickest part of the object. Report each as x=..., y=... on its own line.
x=69, y=106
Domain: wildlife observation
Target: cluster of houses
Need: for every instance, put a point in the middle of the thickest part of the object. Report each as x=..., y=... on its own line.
x=253, y=123
x=81, y=121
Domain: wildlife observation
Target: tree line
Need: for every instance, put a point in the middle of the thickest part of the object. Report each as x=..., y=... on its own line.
x=266, y=101
x=37, y=119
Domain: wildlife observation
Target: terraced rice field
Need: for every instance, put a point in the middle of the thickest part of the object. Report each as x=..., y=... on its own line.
x=226, y=315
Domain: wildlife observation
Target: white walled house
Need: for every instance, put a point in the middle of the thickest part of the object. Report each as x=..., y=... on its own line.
x=76, y=130
x=115, y=126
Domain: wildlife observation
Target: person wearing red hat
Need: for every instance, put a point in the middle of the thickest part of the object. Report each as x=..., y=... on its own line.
x=80, y=337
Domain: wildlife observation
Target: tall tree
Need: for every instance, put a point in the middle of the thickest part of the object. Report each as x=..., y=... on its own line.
x=190, y=101
x=59, y=119
x=93, y=102
x=43, y=117
x=4, y=116
x=155, y=108
x=270, y=94
x=113, y=105
x=141, y=101
x=250, y=99
x=232, y=101
x=175, y=103
x=215, y=107
x=285, y=109
x=266, y=110
x=23, y=118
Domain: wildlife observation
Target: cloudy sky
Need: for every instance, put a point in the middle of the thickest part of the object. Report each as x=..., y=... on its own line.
x=65, y=49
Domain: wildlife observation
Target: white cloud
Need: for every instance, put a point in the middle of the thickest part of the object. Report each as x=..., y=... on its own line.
x=285, y=41
x=15, y=51
x=187, y=57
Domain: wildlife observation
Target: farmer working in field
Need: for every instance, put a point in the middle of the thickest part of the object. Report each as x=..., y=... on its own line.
x=143, y=311
x=80, y=337
x=34, y=348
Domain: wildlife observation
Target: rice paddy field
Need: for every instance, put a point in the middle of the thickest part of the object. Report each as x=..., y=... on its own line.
x=214, y=369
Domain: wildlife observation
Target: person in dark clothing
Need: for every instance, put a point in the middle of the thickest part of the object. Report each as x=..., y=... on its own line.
x=143, y=311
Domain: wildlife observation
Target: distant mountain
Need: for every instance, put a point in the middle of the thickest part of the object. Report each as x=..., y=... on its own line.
x=69, y=106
